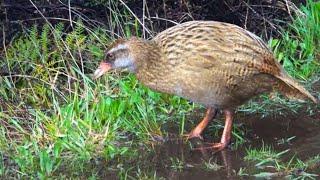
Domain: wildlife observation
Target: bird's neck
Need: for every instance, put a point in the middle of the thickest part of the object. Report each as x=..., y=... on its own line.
x=149, y=63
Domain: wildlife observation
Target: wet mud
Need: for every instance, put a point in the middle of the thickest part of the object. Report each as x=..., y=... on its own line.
x=176, y=159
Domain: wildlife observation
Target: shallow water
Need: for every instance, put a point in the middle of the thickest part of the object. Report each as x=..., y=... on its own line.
x=225, y=164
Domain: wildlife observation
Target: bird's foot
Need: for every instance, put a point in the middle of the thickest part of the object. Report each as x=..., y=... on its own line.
x=192, y=135
x=212, y=147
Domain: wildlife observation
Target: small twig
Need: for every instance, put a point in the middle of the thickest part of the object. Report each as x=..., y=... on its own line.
x=135, y=16
x=151, y=23
x=70, y=18
x=255, y=12
x=246, y=19
x=6, y=54
x=164, y=19
x=143, y=17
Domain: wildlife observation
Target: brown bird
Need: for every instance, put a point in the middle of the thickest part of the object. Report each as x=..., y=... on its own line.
x=216, y=64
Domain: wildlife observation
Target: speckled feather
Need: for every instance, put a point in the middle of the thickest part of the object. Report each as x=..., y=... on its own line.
x=213, y=63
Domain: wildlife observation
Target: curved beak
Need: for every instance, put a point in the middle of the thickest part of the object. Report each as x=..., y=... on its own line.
x=102, y=69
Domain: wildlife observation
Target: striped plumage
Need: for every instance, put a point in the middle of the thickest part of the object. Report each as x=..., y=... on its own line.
x=217, y=64
x=212, y=63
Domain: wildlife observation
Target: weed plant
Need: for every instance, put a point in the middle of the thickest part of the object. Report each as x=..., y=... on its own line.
x=269, y=164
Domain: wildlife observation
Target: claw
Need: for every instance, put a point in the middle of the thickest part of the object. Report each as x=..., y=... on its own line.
x=192, y=135
x=196, y=132
x=216, y=147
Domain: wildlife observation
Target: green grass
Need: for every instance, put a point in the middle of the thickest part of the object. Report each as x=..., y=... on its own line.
x=56, y=120
x=269, y=163
x=56, y=116
x=265, y=156
x=298, y=51
x=177, y=164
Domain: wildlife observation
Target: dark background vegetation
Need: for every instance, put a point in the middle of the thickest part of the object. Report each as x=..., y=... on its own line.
x=263, y=17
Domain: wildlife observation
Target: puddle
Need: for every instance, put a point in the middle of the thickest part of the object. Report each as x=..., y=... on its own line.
x=272, y=130
x=175, y=159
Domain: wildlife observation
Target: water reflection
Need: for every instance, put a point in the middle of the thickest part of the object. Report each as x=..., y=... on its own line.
x=177, y=159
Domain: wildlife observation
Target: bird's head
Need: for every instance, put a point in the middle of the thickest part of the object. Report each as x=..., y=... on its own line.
x=119, y=55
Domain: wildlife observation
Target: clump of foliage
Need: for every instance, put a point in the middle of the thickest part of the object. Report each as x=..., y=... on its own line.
x=298, y=52
x=298, y=49
x=269, y=164
x=55, y=114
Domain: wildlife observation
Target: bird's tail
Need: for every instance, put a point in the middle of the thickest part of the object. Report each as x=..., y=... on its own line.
x=291, y=89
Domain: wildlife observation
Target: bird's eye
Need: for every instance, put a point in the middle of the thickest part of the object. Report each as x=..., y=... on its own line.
x=109, y=56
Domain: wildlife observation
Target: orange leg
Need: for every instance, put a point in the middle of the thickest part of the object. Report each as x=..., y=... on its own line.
x=196, y=132
x=226, y=135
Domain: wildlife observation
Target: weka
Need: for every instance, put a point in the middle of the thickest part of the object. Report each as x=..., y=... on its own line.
x=216, y=64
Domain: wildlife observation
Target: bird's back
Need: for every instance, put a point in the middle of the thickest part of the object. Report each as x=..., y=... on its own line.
x=215, y=63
